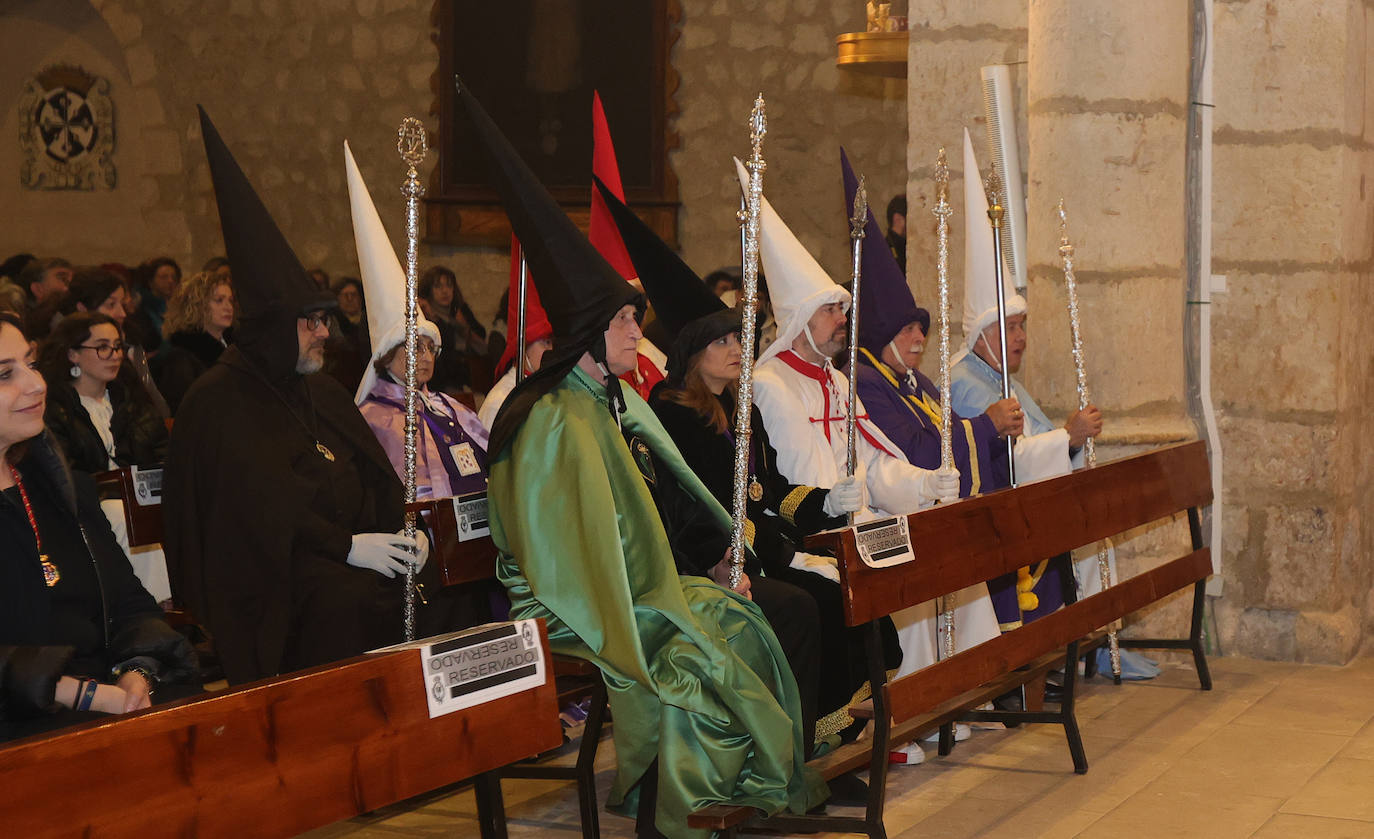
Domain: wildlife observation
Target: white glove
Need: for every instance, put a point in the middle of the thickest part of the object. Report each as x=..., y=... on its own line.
x=385, y=553
x=846, y=496
x=940, y=485
x=826, y=566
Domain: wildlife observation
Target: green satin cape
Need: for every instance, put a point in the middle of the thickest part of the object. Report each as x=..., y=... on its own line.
x=695, y=674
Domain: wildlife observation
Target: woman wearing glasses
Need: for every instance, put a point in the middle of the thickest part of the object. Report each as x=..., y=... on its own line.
x=97, y=409
x=451, y=452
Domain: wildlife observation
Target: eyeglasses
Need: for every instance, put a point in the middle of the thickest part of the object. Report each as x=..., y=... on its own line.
x=103, y=351
x=314, y=320
x=422, y=346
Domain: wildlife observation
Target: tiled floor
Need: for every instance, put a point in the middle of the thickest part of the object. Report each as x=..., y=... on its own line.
x=1275, y=750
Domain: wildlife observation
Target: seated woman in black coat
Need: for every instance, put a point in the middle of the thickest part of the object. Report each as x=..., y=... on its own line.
x=79, y=635
x=98, y=410
x=198, y=327
x=696, y=405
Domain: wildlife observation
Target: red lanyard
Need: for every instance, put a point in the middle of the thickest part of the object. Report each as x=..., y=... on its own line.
x=50, y=573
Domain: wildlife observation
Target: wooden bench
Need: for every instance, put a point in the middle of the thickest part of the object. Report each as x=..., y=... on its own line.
x=980, y=539
x=465, y=554
x=273, y=758
x=142, y=510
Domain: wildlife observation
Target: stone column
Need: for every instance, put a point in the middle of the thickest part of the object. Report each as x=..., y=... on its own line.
x=949, y=43
x=1107, y=111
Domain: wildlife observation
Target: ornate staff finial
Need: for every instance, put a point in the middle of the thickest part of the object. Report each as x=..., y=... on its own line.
x=860, y=217
x=993, y=185
x=412, y=142
x=758, y=128
x=942, y=173
x=995, y=208
x=1065, y=246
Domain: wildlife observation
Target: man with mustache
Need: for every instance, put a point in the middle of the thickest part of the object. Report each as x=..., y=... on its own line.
x=281, y=508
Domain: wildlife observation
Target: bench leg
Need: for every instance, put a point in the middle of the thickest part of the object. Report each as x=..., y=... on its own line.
x=1193, y=643
x=1204, y=675
x=491, y=810
x=946, y=739
x=586, y=763
x=1033, y=694
x=1066, y=712
x=882, y=721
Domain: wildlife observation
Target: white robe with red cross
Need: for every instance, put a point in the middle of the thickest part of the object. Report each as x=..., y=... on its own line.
x=804, y=409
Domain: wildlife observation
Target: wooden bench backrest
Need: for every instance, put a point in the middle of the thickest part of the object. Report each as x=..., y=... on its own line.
x=143, y=522
x=459, y=561
x=274, y=758
x=982, y=538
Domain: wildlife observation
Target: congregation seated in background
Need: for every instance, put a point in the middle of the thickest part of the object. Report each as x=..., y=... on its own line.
x=198, y=326
x=97, y=409
x=154, y=282
x=44, y=283
x=465, y=365
x=79, y=635
x=346, y=354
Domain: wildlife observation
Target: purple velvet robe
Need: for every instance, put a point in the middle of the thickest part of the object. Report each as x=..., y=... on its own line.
x=444, y=425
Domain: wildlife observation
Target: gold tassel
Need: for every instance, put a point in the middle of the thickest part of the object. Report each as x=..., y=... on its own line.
x=1025, y=598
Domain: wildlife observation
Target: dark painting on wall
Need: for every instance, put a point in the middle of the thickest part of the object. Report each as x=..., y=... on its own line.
x=534, y=64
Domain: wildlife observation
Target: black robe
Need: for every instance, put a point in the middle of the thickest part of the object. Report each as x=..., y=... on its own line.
x=258, y=523
x=782, y=518
x=185, y=356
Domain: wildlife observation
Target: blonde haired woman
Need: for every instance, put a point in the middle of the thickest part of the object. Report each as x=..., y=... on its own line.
x=198, y=326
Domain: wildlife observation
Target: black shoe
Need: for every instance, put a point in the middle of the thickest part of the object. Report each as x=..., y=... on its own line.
x=1009, y=701
x=1054, y=693
x=848, y=790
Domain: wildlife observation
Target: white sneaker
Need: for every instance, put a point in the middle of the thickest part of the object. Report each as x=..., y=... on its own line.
x=961, y=733
x=908, y=755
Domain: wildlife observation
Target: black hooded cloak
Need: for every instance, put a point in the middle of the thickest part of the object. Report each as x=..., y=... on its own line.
x=271, y=473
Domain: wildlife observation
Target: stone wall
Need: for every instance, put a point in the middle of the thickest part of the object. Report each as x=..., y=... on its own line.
x=1294, y=226
x=1101, y=117
x=287, y=83
x=949, y=43
x=732, y=49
